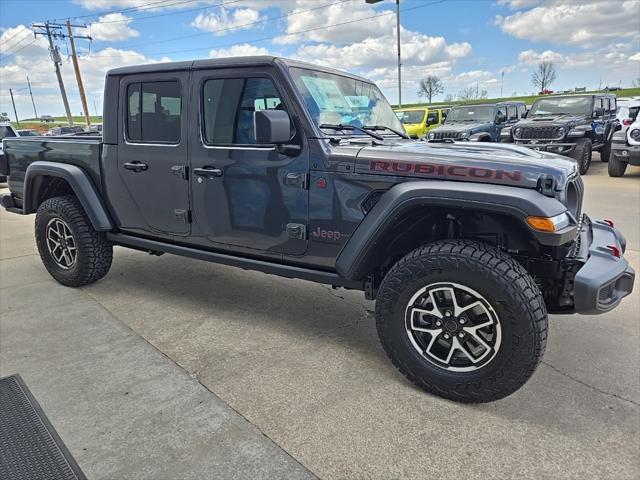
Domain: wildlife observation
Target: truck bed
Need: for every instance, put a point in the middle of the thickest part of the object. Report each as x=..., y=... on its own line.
x=83, y=151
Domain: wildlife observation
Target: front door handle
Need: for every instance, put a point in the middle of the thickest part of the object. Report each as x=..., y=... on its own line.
x=207, y=171
x=136, y=166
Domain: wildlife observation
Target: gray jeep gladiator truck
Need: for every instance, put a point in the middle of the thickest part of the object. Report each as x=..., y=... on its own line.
x=571, y=125
x=305, y=172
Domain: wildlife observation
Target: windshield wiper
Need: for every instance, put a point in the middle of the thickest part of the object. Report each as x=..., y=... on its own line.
x=384, y=127
x=348, y=126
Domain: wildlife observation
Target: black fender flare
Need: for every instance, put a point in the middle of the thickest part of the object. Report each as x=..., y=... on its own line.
x=80, y=183
x=356, y=256
x=481, y=137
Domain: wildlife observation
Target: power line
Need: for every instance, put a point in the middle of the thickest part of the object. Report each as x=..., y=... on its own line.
x=146, y=6
x=389, y=12
x=237, y=27
x=23, y=47
x=19, y=43
x=16, y=35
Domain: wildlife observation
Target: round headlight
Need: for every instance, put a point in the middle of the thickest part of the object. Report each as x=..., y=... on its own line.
x=518, y=131
x=635, y=134
x=464, y=135
x=561, y=130
x=432, y=136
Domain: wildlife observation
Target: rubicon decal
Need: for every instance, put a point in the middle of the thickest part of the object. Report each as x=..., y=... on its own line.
x=428, y=169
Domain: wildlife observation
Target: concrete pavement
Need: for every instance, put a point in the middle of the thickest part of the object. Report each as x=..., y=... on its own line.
x=302, y=363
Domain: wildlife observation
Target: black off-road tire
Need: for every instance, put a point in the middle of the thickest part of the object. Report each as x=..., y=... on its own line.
x=503, y=282
x=605, y=152
x=94, y=251
x=582, y=154
x=616, y=167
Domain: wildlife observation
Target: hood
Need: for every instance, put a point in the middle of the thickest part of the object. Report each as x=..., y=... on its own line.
x=554, y=121
x=463, y=126
x=498, y=163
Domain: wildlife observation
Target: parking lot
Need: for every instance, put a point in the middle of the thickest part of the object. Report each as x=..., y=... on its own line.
x=175, y=368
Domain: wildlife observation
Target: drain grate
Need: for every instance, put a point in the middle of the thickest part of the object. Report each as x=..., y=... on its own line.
x=30, y=448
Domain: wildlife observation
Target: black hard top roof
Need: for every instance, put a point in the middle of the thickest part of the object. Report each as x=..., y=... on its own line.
x=223, y=63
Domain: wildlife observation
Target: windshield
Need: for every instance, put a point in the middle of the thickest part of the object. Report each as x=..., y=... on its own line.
x=336, y=99
x=471, y=114
x=6, y=132
x=555, y=106
x=411, y=116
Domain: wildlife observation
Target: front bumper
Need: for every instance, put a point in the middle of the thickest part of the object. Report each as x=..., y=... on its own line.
x=604, y=279
x=559, y=148
x=626, y=153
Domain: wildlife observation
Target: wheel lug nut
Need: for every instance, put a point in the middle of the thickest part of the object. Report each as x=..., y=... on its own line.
x=461, y=334
x=438, y=323
x=463, y=320
x=446, y=335
x=447, y=313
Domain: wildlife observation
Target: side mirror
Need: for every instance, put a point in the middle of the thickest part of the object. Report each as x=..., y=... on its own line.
x=501, y=118
x=524, y=114
x=599, y=112
x=272, y=127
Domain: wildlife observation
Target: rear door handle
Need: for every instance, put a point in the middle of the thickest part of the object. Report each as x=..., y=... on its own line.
x=136, y=166
x=207, y=171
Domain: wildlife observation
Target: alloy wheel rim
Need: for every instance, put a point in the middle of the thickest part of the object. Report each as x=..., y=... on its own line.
x=61, y=244
x=453, y=327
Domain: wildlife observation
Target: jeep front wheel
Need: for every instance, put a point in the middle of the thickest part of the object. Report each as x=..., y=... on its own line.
x=72, y=251
x=616, y=167
x=582, y=154
x=462, y=320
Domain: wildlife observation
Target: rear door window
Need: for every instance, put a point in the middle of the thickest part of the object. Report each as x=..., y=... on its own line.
x=6, y=132
x=154, y=111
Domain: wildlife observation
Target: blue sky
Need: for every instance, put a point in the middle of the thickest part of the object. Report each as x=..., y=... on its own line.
x=467, y=43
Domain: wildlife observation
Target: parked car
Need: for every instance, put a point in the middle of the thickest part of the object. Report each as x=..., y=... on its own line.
x=627, y=112
x=6, y=131
x=28, y=133
x=546, y=91
x=480, y=123
x=572, y=125
x=418, y=122
x=47, y=118
x=4, y=119
x=57, y=131
x=94, y=128
x=625, y=150
x=305, y=172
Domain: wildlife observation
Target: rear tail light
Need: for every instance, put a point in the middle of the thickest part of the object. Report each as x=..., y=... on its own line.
x=609, y=222
x=615, y=250
x=627, y=121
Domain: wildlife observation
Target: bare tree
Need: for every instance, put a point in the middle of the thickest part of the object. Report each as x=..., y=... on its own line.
x=430, y=87
x=468, y=93
x=544, y=75
x=636, y=82
x=483, y=94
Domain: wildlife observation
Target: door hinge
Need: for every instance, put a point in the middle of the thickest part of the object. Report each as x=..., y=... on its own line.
x=181, y=170
x=297, y=231
x=299, y=180
x=183, y=216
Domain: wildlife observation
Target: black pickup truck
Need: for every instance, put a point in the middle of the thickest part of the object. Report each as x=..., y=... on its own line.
x=305, y=172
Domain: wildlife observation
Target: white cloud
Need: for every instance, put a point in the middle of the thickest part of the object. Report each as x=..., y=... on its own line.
x=635, y=57
x=112, y=27
x=569, y=22
x=20, y=40
x=219, y=24
x=244, y=50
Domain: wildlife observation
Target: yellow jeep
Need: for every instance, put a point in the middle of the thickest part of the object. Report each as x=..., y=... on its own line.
x=418, y=121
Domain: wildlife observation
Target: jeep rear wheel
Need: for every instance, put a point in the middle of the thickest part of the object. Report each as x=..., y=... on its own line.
x=462, y=320
x=616, y=167
x=71, y=250
x=582, y=154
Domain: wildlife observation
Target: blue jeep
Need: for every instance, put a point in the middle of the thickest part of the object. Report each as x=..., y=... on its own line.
x=480, y=123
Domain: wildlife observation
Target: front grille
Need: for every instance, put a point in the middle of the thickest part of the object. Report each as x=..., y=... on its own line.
x=439, y=135
x=538, y=133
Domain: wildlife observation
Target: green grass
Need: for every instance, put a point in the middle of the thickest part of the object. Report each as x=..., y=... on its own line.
x=625, y=92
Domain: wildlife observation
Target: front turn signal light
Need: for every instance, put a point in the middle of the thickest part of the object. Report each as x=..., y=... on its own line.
x=548, y=224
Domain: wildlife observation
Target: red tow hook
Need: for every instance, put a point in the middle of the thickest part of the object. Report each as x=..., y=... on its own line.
x=609, y=222
x=615, y=251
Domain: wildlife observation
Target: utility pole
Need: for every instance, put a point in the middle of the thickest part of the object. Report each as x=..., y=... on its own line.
x=14, y=107
x=399, y=54
x=55, y=57
x=32, y=102
x=76, y=67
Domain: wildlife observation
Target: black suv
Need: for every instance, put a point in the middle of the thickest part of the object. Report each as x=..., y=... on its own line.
x=480, y=123
x=571, y=125
x=306, y=172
